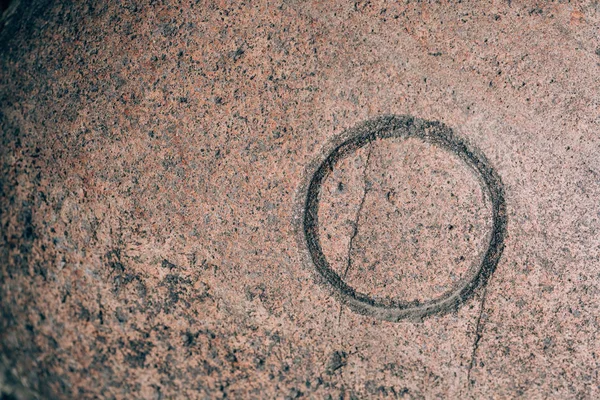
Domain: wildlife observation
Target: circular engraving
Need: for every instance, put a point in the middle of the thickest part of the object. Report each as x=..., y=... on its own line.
x=438, y=135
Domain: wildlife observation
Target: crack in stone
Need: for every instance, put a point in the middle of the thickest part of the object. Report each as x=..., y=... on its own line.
x=358, y=213
x=356, y=220
x=478, y=335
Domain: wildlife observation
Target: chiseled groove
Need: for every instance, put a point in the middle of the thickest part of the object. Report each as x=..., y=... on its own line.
x=431, y=132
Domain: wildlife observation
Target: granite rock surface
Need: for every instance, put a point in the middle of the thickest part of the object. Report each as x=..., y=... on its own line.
x=153, y=161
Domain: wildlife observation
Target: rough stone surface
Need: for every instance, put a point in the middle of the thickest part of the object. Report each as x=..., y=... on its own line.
x=407, y=224
x=152, y=158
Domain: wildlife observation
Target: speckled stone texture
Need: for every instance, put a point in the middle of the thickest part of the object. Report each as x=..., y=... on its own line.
x=152, y=158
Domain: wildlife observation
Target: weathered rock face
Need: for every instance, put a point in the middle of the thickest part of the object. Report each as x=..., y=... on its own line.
x=154, y=160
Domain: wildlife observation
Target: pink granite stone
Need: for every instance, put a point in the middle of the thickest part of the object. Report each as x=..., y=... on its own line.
x=154, y=159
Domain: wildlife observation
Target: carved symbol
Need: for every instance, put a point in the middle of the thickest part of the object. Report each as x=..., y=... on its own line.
x=438, y=135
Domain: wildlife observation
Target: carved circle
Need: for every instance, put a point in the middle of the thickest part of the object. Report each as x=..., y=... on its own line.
x=438, y=135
